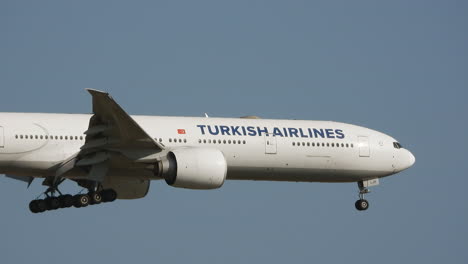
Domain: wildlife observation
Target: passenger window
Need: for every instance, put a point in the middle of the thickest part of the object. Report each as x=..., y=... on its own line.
x=224, y=141
x=185, y=140
x=333, y=144
x=308, y=144
x=233, y=142
x=229, y=141
x=352, y=145
x=328, y=144
x=244, y=141
x=294, y=143
x=313, y=144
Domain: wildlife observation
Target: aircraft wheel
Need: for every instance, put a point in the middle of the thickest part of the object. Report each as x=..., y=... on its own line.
x=81, y=200
x=362, y=204
x=108, y=195
x=33, y=206
x=53, y=203
x=66, y=201
x=41, y=205
x=95, y=197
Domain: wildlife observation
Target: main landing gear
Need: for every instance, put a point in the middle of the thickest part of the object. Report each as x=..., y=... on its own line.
x=65, y=201
x=95, y=195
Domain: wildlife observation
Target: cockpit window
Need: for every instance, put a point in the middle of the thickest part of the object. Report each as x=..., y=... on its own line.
x=397, y=145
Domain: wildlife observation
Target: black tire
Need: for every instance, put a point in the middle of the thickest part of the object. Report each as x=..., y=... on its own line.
x=81, y=200
x=47, y=202
x=33, y=207
x=362, y=204
x=108, y=195
x=53, y=203
x=41, y=205
x=67, y=200
x=95, y=197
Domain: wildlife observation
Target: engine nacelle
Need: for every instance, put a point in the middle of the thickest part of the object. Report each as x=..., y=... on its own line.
x=193, y=168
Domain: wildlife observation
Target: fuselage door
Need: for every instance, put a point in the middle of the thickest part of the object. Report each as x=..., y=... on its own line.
x=364, y=149
x=2, y=137
x=270, y=144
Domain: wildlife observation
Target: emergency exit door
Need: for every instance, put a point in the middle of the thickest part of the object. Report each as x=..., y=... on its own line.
x=270, y=144
x=364, y=148
x=2, y=138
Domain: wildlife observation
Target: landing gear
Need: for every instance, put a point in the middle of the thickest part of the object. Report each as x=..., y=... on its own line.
x=80, y=200
x=95, y=195
x=362, y=204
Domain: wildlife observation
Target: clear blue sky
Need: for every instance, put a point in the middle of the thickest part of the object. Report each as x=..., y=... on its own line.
x=400, y=67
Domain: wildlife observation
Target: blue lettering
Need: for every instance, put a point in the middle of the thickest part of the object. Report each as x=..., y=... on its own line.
x=235, y=131
x=202, y=128
x=252, y=131
x=214, y=133
x=277, y=132
x=311, y=135
x=224, y=130
x=339, y=134
x=260, y=131
x=244, y=133
x=330, y=133
x=293, y=132
x=319, y=132
x=302, y=133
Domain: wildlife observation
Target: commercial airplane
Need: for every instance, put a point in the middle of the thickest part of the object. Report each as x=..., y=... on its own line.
x=113, y=155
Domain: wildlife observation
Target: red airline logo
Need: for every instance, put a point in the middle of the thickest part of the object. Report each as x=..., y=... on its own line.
x=181, y=131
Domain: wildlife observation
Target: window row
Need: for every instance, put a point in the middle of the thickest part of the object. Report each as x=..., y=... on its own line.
x=172, y=140
x=219, y=141
x=49, y=137
x=314, y=144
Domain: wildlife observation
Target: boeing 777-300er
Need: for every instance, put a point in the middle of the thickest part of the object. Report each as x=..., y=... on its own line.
x=113, y=155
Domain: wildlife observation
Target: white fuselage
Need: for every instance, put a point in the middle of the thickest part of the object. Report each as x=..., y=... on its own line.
x=255, y=149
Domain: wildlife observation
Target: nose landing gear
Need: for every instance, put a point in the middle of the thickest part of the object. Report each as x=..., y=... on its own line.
x=362, y=204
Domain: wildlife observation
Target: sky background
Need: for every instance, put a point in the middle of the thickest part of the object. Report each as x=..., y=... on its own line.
x=400, y=67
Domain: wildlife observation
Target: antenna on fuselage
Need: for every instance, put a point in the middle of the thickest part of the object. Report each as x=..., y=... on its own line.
x=206, y=115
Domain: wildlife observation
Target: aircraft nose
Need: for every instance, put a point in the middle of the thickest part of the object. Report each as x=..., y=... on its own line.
x=407, y=159
x=412, y=159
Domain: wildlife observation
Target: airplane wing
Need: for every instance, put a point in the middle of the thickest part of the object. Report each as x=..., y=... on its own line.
x=113, y=140
x=112, y=127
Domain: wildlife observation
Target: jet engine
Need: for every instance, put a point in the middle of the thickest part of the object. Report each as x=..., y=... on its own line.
x=193, y=168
